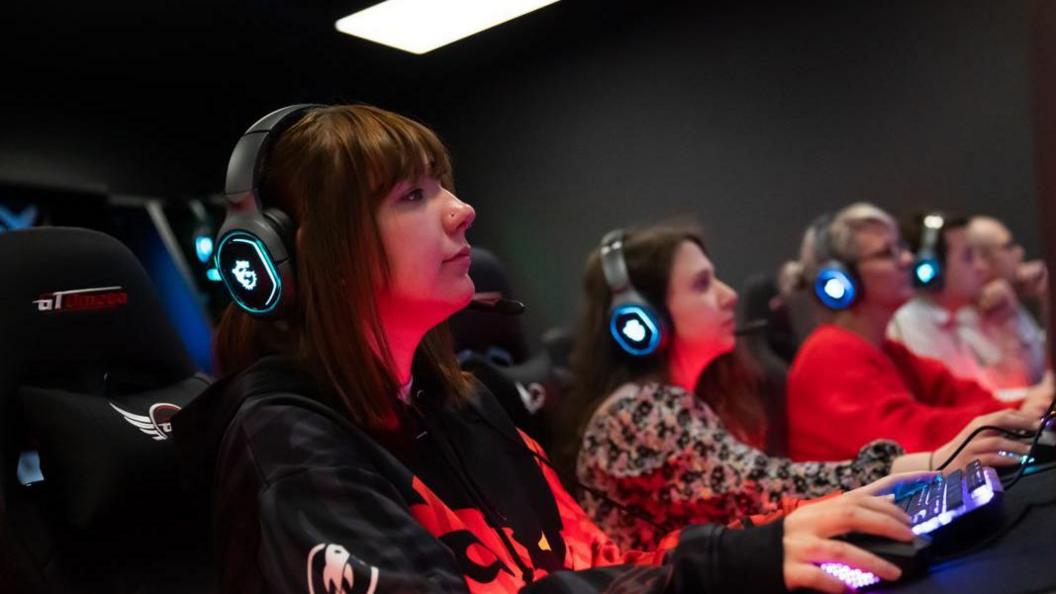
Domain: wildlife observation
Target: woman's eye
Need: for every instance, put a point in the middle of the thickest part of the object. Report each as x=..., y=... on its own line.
x=416, y=195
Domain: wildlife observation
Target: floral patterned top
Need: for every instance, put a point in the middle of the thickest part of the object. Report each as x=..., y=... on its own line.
x=663, y=452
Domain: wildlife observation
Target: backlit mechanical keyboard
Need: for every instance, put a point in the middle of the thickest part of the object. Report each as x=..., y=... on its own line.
x=930, y=505
x=936, y=503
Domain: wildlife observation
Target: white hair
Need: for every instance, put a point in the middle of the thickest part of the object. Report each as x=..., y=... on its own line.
x=835, y=238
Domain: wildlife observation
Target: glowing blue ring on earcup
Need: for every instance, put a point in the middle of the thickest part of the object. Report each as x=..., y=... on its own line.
x=835, y=288
x=636, y=329
x=237, y=282
x=926, y=272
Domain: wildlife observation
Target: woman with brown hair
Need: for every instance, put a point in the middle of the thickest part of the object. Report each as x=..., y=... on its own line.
x=346, y=452
x=674, y=433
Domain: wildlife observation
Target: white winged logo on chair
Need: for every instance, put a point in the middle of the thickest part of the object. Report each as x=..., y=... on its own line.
x=157, y=423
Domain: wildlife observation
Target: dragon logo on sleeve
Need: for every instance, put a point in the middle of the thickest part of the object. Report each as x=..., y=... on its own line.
x=333, y=570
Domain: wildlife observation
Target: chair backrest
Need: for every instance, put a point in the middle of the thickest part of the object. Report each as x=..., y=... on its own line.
x=90, y=373
x=498, y=337
x=773, y=347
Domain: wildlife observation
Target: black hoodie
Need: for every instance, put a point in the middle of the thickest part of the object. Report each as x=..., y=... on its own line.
x=456, y=500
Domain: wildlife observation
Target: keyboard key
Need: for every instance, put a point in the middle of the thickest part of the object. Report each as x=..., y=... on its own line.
x=954, y=490
x=975, y=478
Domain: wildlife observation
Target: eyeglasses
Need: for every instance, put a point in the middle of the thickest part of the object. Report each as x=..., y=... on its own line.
x=893, y=252
x=1009, y=245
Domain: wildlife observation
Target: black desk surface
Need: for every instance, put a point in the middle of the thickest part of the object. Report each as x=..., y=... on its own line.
x=1016, y=553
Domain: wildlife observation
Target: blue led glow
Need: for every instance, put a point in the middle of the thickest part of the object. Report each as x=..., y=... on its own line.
x=262, y=253
x=203, y=247
x=11, y=220
x=925, y=272
x=213, y=275
x=29, y=468
x=834, y=288
x=635, y=330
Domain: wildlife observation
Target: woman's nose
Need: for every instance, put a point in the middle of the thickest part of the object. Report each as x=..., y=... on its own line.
x=731, y=298
x=458, y=215
x=905, y=258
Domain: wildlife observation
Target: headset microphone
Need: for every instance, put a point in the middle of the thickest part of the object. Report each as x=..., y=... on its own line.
x=751, y=327
x=506, y=307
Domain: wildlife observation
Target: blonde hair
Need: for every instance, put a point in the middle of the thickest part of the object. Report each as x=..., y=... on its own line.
x=834, y=238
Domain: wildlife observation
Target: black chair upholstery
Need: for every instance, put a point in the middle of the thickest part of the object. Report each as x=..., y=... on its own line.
x=83, y=333
x=772, y=347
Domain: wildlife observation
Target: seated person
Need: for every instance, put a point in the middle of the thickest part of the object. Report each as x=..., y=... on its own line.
x=674, y=433
x=849, y=384
x=348, y=448
x=1002, y=333
x=936, y=322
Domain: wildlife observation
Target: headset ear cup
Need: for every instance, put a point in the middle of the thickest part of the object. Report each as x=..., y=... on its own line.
x=284, y=226
x=636, y=327
x=836, y=287
x=286, y=230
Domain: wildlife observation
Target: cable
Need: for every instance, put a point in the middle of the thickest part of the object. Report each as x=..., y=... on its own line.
x=1034, y=444
x=973, y=434
x=1049, y=416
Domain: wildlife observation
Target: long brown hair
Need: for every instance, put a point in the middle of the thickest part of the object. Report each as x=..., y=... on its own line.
x=329, y=172
x=730, y=384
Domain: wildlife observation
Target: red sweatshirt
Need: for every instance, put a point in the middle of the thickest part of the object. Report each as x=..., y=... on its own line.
x=843, y=392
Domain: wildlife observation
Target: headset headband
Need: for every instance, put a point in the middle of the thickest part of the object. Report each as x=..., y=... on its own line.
x=613, y=264
x=243, y=169
x=255, y=245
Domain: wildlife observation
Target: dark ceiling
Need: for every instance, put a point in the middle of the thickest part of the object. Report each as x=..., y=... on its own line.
x=158, y=73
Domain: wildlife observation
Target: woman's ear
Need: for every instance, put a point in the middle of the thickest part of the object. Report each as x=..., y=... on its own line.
x=298, y=238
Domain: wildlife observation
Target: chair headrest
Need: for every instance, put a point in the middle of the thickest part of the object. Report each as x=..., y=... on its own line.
x=77, y=305
x=495, y=335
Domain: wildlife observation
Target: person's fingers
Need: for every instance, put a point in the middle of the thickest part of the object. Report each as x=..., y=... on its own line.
x=997, y=460
x=891, y=482
x=1003, y=444
x=811, y=577
x=1012, y=420
x=876, y=516
x=886, y=506
x=838, y=551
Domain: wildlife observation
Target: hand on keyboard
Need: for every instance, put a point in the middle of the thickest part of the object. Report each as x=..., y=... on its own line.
x=938, y=502
x=897, y=484
x=988, y=447
x=812, y=540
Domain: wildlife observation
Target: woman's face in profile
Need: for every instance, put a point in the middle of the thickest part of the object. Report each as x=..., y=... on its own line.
x=423, y=229
x=701, y=305
x=883, y=266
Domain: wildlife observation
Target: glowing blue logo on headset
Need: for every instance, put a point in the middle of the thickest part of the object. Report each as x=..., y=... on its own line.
x=634, y=330
x=244, y=275
x=244, y=271
x=926, y=272
x=834, y=288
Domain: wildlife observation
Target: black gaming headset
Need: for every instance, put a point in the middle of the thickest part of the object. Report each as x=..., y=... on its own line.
x=928, y=264
x=836, y=283
x=255, y=245
x=635, y=325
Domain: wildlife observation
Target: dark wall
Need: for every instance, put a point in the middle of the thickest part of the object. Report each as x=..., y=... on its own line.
x=584, y=116
x=754, y=123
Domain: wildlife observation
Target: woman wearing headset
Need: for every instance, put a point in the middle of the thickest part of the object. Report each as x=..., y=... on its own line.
x=667, y=432
x=346, y=452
